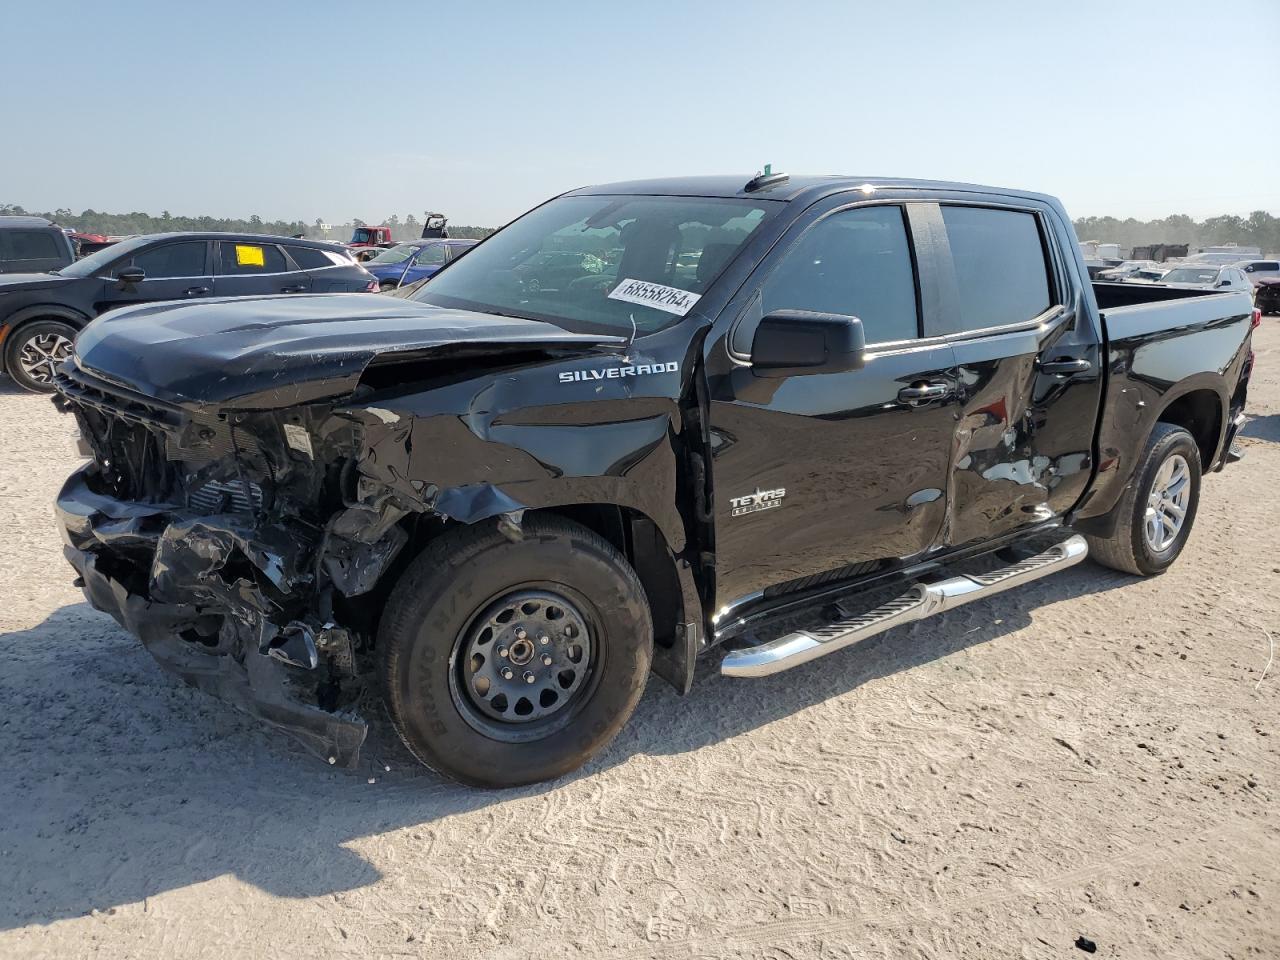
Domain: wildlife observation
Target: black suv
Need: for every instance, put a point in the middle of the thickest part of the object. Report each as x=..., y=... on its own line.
x=33, y=245
x=41, y=312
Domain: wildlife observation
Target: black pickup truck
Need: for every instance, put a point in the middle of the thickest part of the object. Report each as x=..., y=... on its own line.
x=773, y=416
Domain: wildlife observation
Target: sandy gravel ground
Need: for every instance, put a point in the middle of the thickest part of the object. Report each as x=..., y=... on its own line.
x=1091, y=756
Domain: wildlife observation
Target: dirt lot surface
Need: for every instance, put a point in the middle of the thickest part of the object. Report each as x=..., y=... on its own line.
x=1094, y=755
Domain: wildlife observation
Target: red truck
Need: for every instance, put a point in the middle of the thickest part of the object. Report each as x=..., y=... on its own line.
x=366, y=241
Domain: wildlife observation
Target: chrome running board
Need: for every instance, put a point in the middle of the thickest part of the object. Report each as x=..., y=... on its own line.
x=921, y=601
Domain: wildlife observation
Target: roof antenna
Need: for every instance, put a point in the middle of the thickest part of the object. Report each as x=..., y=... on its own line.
x=765, y=179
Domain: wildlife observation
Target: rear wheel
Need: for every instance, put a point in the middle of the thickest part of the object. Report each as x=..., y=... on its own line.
x=505, y=663
x=33, y=353
x=1159, y=507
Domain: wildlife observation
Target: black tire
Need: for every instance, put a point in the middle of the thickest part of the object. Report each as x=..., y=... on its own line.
x=18, y=341
x=449, y=588
x=1128, y=549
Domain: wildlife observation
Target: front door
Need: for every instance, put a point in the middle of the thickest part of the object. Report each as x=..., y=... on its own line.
x=177, y=270
x=826, y=476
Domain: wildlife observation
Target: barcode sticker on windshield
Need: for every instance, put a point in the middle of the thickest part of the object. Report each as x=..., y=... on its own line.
x=671, y=299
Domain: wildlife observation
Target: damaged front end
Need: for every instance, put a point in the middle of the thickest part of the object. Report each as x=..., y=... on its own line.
x=243, y=548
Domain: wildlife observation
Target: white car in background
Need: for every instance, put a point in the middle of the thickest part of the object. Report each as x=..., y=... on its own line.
x=1152, y=274
x=1208, y=276
x=1259, y=270
x=1126, y=269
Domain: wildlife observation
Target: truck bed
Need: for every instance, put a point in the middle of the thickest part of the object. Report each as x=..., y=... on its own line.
x=1137, y=309
x=1113, y=295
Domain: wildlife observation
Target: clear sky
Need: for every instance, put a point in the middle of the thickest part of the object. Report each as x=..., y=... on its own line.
x=482, y=109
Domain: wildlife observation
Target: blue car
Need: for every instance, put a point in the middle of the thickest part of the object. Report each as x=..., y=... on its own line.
x=406, y=262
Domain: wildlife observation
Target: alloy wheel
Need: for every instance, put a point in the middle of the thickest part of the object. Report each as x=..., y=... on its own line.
x=1167, y=503
x=41, y=354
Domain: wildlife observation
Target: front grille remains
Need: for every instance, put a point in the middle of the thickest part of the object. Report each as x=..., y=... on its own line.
x=217, y=496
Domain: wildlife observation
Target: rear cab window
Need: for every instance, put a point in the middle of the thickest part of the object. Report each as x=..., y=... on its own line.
x=1002, y=269
x=32, y=245
x=246, y=258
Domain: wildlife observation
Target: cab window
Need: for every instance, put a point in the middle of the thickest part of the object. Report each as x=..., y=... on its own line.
x=854, y=262
x=1002, y=273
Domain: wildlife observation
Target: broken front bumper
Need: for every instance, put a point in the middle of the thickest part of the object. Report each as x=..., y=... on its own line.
x=178, y=584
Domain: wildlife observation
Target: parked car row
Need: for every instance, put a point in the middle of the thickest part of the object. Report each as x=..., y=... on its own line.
x=414, y=260
x=43, y=306
x=1259, y=277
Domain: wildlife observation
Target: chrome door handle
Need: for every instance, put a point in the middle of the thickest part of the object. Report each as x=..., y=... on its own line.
x=300, y=288
x=922, y=392
x=1062, y=368
x=196, y=291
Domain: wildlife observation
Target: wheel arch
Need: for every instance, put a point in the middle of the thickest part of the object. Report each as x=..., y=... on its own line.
x=1202, y=412
x=675, y=603
x=1198, y=405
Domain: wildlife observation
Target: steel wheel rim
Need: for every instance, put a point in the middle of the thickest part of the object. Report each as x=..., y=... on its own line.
x=1167, y=502
x=41, y=354
x=500, y=679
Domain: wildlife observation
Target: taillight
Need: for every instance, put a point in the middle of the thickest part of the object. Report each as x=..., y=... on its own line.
x=1257, y=318
x=372, y=287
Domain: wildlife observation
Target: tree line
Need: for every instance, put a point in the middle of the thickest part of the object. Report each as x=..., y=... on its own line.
x=129, y=224
x=1259, y=229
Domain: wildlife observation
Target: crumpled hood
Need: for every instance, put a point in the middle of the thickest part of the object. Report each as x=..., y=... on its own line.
x=271, y=352
x=31, y=281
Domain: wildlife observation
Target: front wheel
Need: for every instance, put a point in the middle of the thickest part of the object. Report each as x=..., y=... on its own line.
x=1158, y=508
x=33, y=353
x=506, y=663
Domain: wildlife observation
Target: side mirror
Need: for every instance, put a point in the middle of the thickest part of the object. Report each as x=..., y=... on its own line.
x=131, y=275
x=791, y=343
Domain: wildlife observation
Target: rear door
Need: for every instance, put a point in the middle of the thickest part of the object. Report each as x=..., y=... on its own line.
x=821, y=477
x=252, y=268
x=173, y=270
x=1027, y=363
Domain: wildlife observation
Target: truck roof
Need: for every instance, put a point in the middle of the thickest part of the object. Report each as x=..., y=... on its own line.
x=803, y=187
x=23, y=221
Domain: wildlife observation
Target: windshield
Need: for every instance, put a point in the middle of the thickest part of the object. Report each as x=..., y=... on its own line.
x=598, y=263
x=1191, y=275
x=362, y=235
x=397, y=254
x=94, y=262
